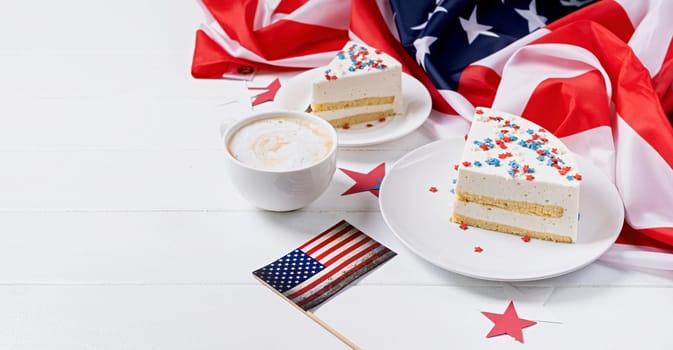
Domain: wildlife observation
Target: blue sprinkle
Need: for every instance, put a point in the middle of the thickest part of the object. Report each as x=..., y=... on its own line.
x=540, y=158
x=476, y=163
x=501, y=136
x=493, y=161
x=569, y=177
x=531, y=170
x=341, y=56
x=530, y=131
x=452, y=191
x=511, y=172
x=513, y=164
x=477, y=142
x=491, y=145
x=488, y=140
x=380, y=67
x=453, y=181
x=513, y=138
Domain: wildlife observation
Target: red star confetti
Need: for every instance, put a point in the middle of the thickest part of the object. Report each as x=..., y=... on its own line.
x=433, y=189
x=478, y=249
x=463, y=227
x=364, y=182
x=267, y=95
x=508, y=323
x=525, y=238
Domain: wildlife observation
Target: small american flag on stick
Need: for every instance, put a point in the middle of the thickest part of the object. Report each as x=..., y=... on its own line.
x=324, y=265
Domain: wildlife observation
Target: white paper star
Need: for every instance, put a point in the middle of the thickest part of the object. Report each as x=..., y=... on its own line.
x=436, y=10
x=422, y=46
x=474, y=29
x=535, y=21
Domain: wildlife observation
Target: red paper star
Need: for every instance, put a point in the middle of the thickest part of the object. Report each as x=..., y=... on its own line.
x=370, y=181
x=268, y=95
x=508, y=323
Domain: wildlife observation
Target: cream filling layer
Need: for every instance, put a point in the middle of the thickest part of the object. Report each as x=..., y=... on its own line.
x=566, y=225
x=341, y=113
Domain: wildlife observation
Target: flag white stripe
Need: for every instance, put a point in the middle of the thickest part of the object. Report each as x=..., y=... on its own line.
x=531, y=65
x=646, y=189
x=653, y=33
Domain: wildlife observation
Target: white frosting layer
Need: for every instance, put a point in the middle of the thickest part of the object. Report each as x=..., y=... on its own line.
x=510, y=158
x=349, y=81
x=280, y=143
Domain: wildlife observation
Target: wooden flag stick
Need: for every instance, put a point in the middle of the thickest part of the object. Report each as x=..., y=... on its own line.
x=313, y=317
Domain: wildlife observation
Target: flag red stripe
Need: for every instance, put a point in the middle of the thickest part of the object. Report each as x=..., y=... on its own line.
x=337, y=269
x=322, y=234
x=327, y=241
x=556, y=103
x=348, y=250
x=288, y=6
x=338, y=246
x=237, y=19
x=342, y=277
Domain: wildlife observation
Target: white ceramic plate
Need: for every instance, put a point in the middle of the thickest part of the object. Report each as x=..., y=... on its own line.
x=420, y=219
x=295, y=95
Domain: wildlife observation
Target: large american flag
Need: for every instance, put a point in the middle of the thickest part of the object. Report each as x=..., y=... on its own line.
x=324, y=265
x=599, y=75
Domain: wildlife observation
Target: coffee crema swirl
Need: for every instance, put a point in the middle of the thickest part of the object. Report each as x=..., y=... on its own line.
x=280, y=143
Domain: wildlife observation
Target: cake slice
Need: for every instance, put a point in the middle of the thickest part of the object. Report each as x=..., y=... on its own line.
x=515, y=177
x=360, y=84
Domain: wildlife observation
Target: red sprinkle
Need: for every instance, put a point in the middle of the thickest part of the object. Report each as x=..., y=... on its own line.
x=433, y=189
x=466, y=163
x=381, y=120
x=455, y=167
x=504, y=155
x=478, y=249
x=465, y=137
x=462, y=226
x=369, y=125
x=578, y=177
x=530, y=177
x=525, y=239
x=484, y=146
x=346, y=126
x=479, y=111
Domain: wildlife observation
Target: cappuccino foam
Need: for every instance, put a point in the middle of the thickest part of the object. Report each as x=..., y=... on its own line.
x=280, y=143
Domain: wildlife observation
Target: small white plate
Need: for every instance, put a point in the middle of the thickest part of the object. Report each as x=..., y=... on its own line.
x=420, y=219
x=295, y=95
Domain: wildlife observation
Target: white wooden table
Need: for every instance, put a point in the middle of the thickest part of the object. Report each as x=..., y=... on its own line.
x=119, y=228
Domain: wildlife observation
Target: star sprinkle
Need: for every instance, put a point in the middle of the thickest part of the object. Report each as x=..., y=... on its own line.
x=364, y=182
x=267, y=95
x=508, y=323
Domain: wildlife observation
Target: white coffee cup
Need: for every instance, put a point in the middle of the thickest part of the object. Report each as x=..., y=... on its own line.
x=281, y=160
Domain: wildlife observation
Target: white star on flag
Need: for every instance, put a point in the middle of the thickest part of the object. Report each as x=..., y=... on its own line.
x=473, y=29
x=422, y=46
x=436, y=10
x=535, y=21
